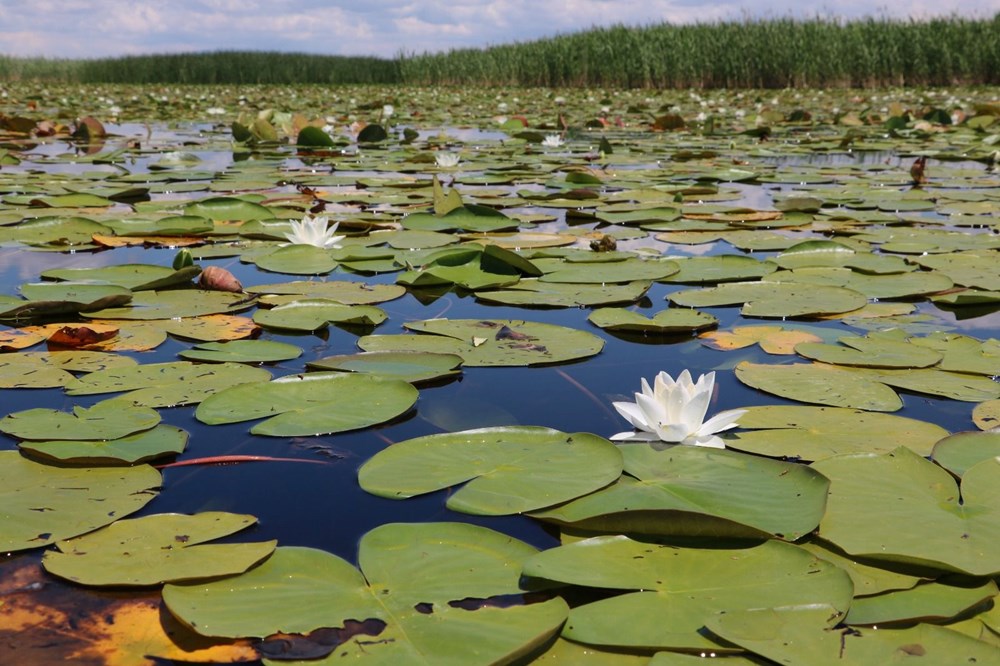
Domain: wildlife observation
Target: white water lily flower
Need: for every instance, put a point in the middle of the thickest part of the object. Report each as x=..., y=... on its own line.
x=313, y=231
x=387, y=111
x=674, y=411
x=445, y=159
x=552, y=141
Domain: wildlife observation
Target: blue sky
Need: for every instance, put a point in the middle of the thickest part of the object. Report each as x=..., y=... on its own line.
x=95, y=28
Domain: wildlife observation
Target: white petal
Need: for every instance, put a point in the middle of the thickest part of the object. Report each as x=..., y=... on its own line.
x=631, y=436
x=673, y=432
x=721, y=421
x=631, y=413
x=711, y=442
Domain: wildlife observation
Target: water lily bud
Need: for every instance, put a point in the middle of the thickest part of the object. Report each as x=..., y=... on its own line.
x=183, y=259
x=219, y=279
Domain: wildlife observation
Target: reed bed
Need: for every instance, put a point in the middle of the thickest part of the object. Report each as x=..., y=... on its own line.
x=772, y=53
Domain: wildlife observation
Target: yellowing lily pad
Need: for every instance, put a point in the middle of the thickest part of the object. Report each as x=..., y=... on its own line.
x=772, y=339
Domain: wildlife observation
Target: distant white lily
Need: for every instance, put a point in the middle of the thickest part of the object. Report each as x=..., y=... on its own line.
x=314, y=231
x=674, y=411
x=552, y=141
x=387, y=111
x=445, y=159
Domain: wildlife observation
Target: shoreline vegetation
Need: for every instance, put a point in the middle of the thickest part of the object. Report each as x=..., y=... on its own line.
x=770, y=53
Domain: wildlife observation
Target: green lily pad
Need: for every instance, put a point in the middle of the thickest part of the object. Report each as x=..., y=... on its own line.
x=868, y=578
x=665, y=322
x=505, y=470
x=695, y=491
x=297, y=260
x=969, y=269
x=962, y=353
x=105, y=420
x=151, y=550
x=75, y=500
x=137, y=277
x=75, y=292
x=310, y=404
x=156, y=442
x=54, y=232
x=414, y=367
x=871, y=351
x=814, y=433
x=716, y=269
x=491, y=342
x=958, y=452
x=228, y=208
x=166, y=384
x=312, y=314
x=928, y=601
x=675, y=590
x=774, y=299
x=895, y=285
x=820, y=384
x=533, y=292
x=627, y=270
x=822, y=253
x=767, y=632
x=409, y=574
x=176, y=303
x=920, y=519
x=341, y=291
x=242, y=351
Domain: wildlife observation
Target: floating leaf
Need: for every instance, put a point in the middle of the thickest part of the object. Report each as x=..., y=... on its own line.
x=409, y=574
x=176, y=303
x=105, y=420
x=413, y=367
x=151, y=550
x=505, y=470
x=766, y=632
x=871, y=351
x=773, y=299
x=772, y=339
x=678, y=589
x=920, y=519
x=141, y=447
x=958, y=452
x=820, y=384
x=311, y=404
x=986, y=415
x=491, y=342
x=40, y=504
x=166, y=384
x=312, y=314
x=928, y=601
x=814, y=433
x=664, y=322
x=532, y=292
x=341, y=291
x=242, y=351
x=696, y=491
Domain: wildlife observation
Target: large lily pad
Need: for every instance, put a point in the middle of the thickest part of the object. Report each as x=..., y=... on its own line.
x=310, y=404
x=105, y=420
x=871, y=351
x=533, y=292
x=166, y=547
x=929, y=601
x=491, y=342
x=774, y=299
x=814, y=433
x=143, y=446
x=922, y=517
x=675, y=590
x=414, y=367
x=409, y=574
x=167, y=384
x=315, y=313
x=695, y=491
x=814, y=641
x=665, y=322
x=821, y=384
x=341, y=291
x=40, y=504
x=242, y=351
x=175, y=303
x=505, y=470
x=962, y=450
x=137, y=277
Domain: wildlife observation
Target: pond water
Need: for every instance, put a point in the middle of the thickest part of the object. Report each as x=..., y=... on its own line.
x=311, y=496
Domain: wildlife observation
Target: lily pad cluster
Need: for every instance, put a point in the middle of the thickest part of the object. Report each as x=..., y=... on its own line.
x=668, y=218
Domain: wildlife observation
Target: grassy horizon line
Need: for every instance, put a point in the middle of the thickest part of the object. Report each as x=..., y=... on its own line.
x=752, y=53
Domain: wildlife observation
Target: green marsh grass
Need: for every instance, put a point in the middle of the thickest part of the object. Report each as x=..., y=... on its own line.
x=771, y=53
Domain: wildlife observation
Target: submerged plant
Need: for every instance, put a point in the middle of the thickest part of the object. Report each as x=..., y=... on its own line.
x=674, y=411
x=314, y=231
